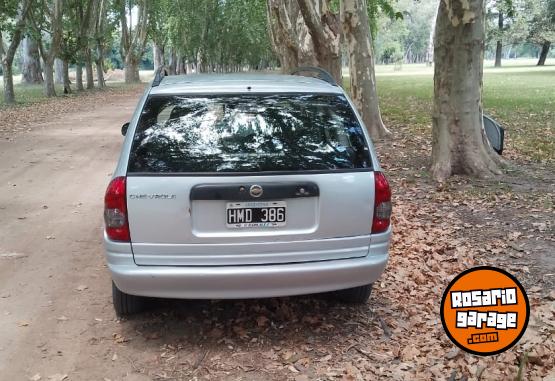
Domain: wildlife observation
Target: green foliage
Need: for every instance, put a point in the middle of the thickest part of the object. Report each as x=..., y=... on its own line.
x=377, y=7
x=8, y=11
x=528, y=21
x=216, y=32
x=507, y=10
x=406, y=37
x=540, y=18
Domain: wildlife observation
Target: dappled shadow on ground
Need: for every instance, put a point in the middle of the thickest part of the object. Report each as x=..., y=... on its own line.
x=259, y=338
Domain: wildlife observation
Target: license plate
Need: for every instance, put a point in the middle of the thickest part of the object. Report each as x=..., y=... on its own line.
x=256, y=214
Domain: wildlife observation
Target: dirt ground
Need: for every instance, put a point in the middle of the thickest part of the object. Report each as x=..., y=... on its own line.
x=56, y=316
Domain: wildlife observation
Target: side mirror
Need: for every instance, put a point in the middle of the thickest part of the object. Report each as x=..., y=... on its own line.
x=124, y=128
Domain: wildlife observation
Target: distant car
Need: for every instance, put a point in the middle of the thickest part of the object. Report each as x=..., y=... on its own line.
x=245, y=186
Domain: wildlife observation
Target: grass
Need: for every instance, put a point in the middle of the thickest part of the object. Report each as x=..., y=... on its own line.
x=30, y=94
x=25, y=94
x=522, y=98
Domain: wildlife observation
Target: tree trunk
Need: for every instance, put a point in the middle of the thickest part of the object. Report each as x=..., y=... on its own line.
x=89, y=69
x=282, y=33
x=31, y=72
x=49, y=53
x=101, y=83
x=498, y=53
x=100, y=64
x=356, y=31
x=158, y=55
x=323, y=26
x=459, y=144
x=58, y=71
x=172, y=65
x=131, y=69
x=67, y=82
x=430, y=48
x=544, y=52
x=133, y=39
x=49, y=89
x=180, y=69
x=79, y=76
x=499, y=47
x=9, y=95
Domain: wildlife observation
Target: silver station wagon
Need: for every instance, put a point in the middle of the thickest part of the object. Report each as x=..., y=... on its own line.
x=245, y=186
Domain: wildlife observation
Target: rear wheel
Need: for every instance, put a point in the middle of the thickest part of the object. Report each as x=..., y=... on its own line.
x=356, y=295
x=126, y=304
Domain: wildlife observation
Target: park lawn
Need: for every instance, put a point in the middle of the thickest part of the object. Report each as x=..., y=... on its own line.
x=522, y=100
x=26, y=94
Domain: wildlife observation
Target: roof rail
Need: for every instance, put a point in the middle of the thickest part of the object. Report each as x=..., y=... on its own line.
x=320, y=73
x=160, y=73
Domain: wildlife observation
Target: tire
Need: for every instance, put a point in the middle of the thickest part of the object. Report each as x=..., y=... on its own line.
x=126, y=304
x=355, y=295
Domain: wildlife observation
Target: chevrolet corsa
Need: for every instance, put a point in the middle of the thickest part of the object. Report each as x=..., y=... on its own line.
x=245, y=186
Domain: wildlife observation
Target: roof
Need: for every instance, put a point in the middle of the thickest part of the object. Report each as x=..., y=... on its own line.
x=242, y=83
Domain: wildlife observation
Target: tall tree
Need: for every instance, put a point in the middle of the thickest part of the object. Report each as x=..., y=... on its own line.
x=542, y=26
x=501, y=14
x=12, y=23
x=356, y=31
x=102, y=26
x=158, y=30
x=133, y=37
x=47, y=24
x=84, y=16
x=459, y=144
x=31, y=71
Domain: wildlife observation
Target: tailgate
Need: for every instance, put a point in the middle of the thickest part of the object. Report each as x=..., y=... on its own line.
x=186, y=220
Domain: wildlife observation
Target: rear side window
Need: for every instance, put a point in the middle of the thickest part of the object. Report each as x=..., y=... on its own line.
x=248, y=133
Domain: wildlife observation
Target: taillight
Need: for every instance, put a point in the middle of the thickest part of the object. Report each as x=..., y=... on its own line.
x=382, y=204
x=115, y=211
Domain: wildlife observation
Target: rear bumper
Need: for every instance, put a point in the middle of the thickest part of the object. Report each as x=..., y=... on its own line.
x=245, y=281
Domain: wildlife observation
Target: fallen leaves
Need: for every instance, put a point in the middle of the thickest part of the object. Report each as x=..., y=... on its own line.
x=23, y=118
x=262, y=321
x=119, y=339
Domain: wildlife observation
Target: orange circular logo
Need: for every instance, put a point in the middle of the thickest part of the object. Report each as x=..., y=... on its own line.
x=485, y=310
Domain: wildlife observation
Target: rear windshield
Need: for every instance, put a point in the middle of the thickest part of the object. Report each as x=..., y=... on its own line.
x=248, y=133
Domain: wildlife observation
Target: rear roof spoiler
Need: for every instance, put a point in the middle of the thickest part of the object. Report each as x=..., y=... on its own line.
x=160, y=73
x=320, y=73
